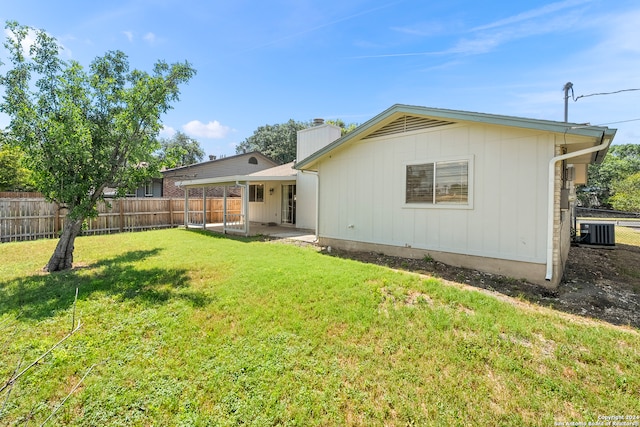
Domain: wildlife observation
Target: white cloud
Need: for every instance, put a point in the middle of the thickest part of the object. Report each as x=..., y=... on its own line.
x=129, y=35
x=529, y=15
x=212, y=129
x=544, y=20
x=167, y=132
x=426, y=29
x=487, y=38
x=622, y=34
x=150, y=37
x=30, y=39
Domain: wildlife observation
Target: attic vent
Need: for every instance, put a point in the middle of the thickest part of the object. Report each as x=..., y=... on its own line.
x=407, y=124
x=253, y=161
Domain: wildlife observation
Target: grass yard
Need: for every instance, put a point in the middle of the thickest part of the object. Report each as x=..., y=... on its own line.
x=184, y=328
x=627, y=235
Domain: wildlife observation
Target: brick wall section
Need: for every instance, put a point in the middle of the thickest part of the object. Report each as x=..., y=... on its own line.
x=172, y=191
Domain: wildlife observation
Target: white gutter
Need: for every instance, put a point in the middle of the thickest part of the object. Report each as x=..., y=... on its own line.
x=551, y=199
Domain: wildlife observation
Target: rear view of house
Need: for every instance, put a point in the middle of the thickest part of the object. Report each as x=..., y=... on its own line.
x=488, y=192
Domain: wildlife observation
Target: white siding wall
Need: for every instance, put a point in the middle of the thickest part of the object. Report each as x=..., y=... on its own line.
x=362, y=192
x=270, y=210
x=306, y=201
x=311, y=140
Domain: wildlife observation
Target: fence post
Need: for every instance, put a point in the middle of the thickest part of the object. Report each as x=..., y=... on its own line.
x=171, y=212
x=186, y=207
x=56, y=221
x=121, y=214
x=204, y=208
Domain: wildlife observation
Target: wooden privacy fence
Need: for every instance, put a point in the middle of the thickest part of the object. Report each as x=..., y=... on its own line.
x=20, y=195
x=29, y=219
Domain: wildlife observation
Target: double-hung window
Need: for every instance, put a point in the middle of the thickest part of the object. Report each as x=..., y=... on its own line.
x=438, y=183
x=256, y=193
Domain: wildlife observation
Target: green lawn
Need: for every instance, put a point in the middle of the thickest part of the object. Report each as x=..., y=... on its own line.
x=627, y=235
x=184, y=328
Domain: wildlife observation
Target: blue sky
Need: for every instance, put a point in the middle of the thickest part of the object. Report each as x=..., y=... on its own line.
x=265, y=62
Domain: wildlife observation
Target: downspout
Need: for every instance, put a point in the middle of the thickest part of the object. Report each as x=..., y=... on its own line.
x=317, y=201
x=551, y=195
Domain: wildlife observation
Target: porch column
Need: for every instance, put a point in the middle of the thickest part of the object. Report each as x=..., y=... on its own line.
x=245, y=208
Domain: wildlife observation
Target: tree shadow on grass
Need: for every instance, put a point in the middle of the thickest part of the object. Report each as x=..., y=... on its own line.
x=42, y=295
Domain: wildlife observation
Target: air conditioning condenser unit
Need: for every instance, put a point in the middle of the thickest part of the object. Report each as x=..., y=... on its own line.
x=593, y=233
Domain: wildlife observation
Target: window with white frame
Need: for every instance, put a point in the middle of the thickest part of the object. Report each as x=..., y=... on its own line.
x=445, y=182
x=256, y=193
x=148, y=189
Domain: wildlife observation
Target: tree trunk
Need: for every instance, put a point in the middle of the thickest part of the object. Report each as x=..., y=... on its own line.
x=62, y=258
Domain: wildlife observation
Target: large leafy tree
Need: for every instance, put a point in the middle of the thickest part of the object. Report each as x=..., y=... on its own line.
x=345, y=128
x=275, y=141
x=14, y=176
x=626, y=195
x=279, y=141
x=180, y=150
x=621, y=161
x=83, y=130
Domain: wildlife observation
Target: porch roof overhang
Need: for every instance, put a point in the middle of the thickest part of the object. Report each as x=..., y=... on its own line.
x=231, y=180
x=279, y=173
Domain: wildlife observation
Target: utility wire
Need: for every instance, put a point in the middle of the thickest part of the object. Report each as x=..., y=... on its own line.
x=606, y=124
x=621, y=121
x=600, y=93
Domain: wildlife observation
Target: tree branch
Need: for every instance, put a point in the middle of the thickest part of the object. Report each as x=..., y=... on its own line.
x=4, y=405
x=13, y=379
x=68, y=395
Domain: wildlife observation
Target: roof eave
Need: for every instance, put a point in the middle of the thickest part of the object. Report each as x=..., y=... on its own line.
x=494, y=119
x=221, y=160
x=231, y=180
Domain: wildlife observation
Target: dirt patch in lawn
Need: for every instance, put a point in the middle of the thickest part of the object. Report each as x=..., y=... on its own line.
x=598, y=283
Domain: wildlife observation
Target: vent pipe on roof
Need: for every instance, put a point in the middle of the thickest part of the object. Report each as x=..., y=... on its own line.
x=318, y=122
x=567, y=87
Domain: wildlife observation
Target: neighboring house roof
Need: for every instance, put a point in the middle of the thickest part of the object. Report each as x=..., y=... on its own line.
x=278, y=173
x=399, y=118
x=214, y=163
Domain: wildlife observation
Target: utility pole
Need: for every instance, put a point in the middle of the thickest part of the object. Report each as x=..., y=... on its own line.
x=566, y=88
